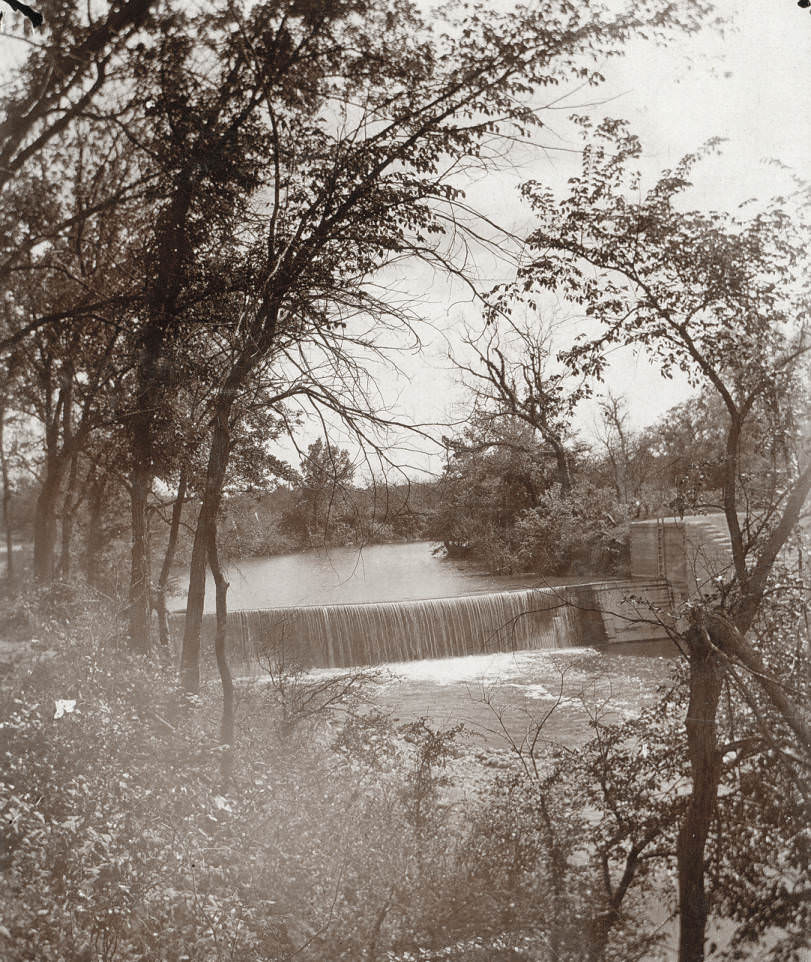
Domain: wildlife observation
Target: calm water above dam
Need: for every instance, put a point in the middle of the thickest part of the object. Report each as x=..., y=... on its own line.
x=339, y=576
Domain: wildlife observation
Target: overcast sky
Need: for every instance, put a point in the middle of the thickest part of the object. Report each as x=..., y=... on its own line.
x=751, y=87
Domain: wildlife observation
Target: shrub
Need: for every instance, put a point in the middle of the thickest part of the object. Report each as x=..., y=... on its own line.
x=584, y=531
x=123, y=843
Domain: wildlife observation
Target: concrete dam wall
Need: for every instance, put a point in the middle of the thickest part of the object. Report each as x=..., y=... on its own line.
x=337, y=636
x=671, y=560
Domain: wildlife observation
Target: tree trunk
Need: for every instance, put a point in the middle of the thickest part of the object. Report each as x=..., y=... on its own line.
x=69, y=507
x=173, y=253
x=600, y=926
x=139, y=607
x=141, y=477
x=94, y=537
x=564, y=471
x=221, y=587
x=706, y=679
x=6, y=500
x=168, y=561
x=206, y=523
x=45, y=523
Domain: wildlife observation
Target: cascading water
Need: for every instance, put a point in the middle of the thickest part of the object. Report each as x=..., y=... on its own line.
x=336, y=636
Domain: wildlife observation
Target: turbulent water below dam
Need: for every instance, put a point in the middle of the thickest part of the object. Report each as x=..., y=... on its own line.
x=571, y=686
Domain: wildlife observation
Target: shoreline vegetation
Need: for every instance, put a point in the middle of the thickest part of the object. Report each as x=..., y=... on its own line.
x=338, y=832
x=331, y=828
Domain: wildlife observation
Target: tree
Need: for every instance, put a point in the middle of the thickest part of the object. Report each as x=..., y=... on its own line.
x=493, y=472
x=627, y=452
x=326, y=473
x=519, y=380
x=723, y=298
x=686, y=451
x=8, y=452
x=65, y=370
x=194, y=114
x=59, y=85
x=370, y=119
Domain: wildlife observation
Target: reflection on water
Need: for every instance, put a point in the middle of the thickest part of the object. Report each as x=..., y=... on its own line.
x=383, y=572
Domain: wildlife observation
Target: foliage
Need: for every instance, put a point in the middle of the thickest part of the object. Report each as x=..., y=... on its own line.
x=491, y=474
x=323, y=503
x=501, y=503
x=335, y=839
x=586, y=531
x=141, y=851
x=723, y=298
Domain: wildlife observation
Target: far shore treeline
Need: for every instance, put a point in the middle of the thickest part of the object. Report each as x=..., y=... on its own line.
x=497, y=502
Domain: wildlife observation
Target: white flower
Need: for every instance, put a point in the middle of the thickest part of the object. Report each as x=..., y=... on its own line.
x=64, y=706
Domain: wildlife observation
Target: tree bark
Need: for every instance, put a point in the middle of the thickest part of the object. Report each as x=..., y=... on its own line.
x=94, y=537
x=221, y=588
x=69, y=508
x=168, y=561
x=45, y=528
x=706, y=680
x=6, y=499
x=206, y=523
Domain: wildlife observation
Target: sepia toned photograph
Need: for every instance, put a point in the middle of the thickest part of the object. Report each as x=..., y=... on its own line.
x=405, y=458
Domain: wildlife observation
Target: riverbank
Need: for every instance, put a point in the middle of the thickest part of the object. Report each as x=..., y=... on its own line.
x=329, y=834
x=370, y=820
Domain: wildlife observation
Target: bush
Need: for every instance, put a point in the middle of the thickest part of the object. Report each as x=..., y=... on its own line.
x=123, y=843
x=586, y=531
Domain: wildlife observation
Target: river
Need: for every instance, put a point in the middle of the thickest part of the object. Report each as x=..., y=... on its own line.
x=524, y=685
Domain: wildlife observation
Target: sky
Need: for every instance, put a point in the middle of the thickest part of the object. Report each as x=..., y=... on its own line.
x=749, y=86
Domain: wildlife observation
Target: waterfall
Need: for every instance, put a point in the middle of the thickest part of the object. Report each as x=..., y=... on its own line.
x=338, y=636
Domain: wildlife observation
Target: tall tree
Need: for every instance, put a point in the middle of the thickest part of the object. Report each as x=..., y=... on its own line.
x=373, y=117
x=514, y=375
x=194, y=117
x=67, y=367
x=72, y=64
x=325, y=473
x=724, y=298
x=626, y=451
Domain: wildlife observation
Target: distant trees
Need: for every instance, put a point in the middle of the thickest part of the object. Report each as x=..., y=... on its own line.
x=492, y=473
x=326, y=474
x=627, y=452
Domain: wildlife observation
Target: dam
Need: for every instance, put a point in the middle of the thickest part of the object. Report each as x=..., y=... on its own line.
x=339, y=636
x=671, y=560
